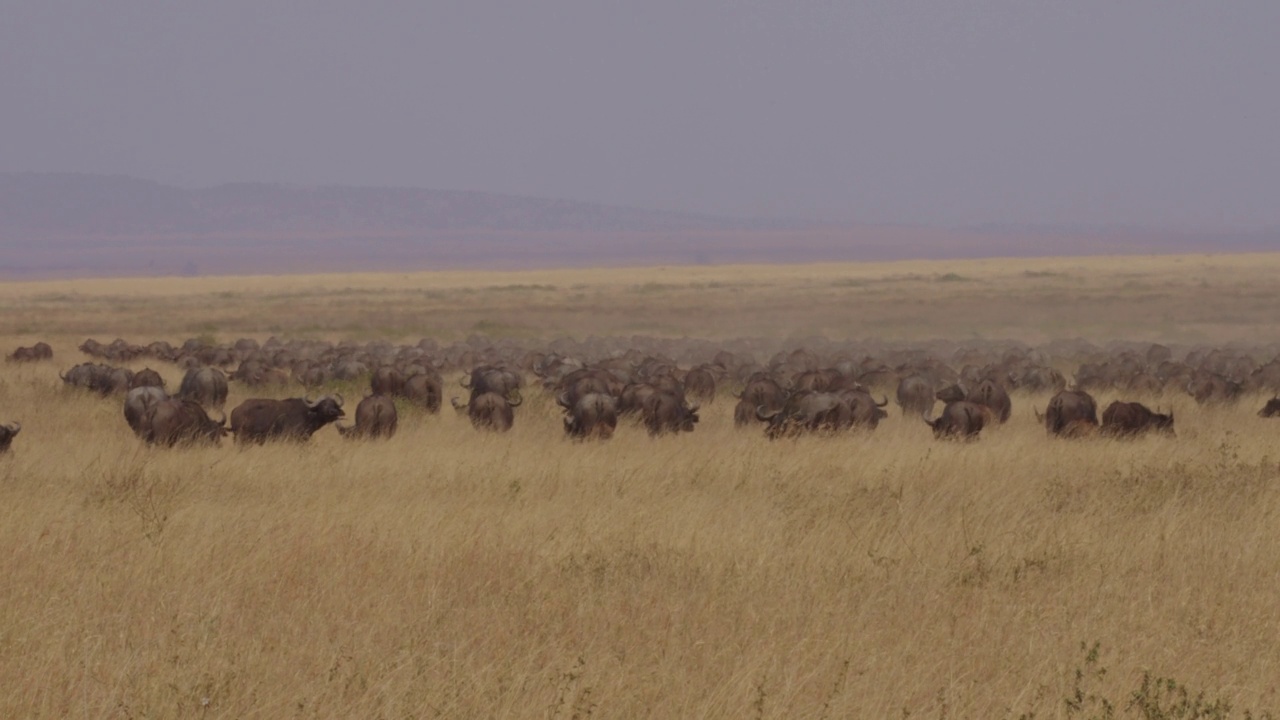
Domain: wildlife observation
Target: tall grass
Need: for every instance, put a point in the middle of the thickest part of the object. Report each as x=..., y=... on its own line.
x=451, y=573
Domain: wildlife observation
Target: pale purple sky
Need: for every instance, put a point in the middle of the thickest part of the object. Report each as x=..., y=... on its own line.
x=1149, y=112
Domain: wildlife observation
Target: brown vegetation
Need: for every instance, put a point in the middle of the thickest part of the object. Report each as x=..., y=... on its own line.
x=452, y=573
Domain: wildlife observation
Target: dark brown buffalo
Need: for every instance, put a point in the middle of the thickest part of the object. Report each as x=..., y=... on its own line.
x=375, y=418
x=490, y=411
x=1271, y=409
x=259, y=420
x=172, y=421
x=744, y=413
x=1041, y=379
x=806, y=412
x=146, y=377
x=763, y=391
x=594, y=416
x=1213, y=389
x=310, y=376
x=425, y=389
x=102, y=379
x=492, y=379
x=633, y=397
x=915, y=395
x=1130, y=419
x=1144, y=384
x=666, y=412
x=205, y=385
x=961, y=420
x=385, y=381
x=1069, y=413
x=35, y=353
x=7, y=433
x=585, y=383
x=866, y=412
x=986, y=392
x=700, y=383
x=138, y=404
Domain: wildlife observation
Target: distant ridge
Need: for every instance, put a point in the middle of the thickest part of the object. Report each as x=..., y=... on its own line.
x=72, y=225
x=75, y=205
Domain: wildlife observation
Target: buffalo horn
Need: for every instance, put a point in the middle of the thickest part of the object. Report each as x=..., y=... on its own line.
x=337, y=397
x=306, y=399
x=761, y=414
x=882, y=403
x=457, y=405
x=513, y=398
x=14, y=427
x=563, y=399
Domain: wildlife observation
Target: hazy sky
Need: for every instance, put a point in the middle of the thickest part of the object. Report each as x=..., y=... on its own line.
x=1152, y=112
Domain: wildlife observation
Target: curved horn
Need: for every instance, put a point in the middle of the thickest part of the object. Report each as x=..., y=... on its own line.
x=337, y=397
x=882, y=403
x=308, y=401
x=764, y=416
x=927, y=421
x=457, y=405
x=465, y=381
x=14, y=427
x=563, y=399
x=514, y=398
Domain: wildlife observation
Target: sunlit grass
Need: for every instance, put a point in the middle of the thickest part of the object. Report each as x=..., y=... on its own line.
x=450, y=573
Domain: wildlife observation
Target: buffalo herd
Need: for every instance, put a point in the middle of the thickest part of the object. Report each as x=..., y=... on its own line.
x=662, y=385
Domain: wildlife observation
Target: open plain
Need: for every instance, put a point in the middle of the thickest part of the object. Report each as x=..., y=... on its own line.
x=453, y=573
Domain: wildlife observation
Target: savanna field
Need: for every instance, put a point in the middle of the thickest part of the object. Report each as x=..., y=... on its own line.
x=454, y=573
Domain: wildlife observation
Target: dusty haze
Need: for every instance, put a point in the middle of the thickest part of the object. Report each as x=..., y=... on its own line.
x=1147, y=112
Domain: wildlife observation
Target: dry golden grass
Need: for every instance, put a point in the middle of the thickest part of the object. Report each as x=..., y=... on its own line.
x=457, y=574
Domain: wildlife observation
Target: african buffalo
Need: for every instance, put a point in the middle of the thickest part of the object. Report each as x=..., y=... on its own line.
x=1271, y=409
x=701, y=384
x=173, y=421
x=146, y=378
x=35, y=353
x=205, y=385
x=986, y=392
x=492, y=379
x=1070, y=413
x=425, y=389
x=138, y=403
x=102, y=379
x=915, y=395
x=7, y=433
x=1130, y=419
x=961, y=419
x=385, y=381
x=763, y=391
x=865, y=411
x=594, y=416
x=633, y=397
x=806, y=411
x=375, y=418
x=490, y=411
x=666, y=412
x=584, y=382
x=1213, y=389
x=259, y=420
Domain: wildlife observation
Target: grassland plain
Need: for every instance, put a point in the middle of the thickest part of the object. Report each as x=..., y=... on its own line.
x=452, y=573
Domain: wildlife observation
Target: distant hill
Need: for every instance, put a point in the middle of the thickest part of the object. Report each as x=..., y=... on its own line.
x=60, y=225
x=65, y=205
